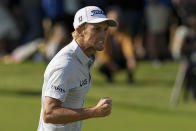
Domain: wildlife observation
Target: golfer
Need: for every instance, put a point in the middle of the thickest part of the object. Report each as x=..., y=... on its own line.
x=67, y=78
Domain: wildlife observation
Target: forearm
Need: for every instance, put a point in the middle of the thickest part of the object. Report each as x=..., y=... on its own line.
x=54, y=113
x=61, y=115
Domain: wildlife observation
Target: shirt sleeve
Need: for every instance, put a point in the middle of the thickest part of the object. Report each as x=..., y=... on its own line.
x=57, y=85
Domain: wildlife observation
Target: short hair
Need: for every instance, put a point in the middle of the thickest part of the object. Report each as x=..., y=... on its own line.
x=75, y=34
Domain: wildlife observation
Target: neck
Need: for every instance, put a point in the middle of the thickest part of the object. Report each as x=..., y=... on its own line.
x=87, y=50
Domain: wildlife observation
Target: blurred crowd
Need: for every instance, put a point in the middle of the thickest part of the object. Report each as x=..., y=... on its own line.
x=154, y=30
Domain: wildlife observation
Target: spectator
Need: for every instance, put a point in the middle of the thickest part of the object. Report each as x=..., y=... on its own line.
x=41, y=49
x=61, y=11
x=34, y=15
x=157, y=24
x=57, y=39
x=9, y=32
x=133, y=20
x=70, y=7
x=183, y=44
x=118, y=53
x=189, y=52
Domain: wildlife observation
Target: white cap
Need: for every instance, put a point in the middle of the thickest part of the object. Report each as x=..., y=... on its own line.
x=91, y=14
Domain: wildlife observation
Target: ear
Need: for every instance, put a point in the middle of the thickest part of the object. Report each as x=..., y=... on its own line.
x=78, y=30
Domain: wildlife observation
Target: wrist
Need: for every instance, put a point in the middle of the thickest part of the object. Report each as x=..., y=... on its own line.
x=93, y=112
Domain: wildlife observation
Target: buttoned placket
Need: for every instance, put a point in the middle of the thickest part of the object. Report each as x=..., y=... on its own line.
x=90, y=63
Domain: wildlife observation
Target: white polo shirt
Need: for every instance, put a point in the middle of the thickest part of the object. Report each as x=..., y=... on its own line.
x=68, y=79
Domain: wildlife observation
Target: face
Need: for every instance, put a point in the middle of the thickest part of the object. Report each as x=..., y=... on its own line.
x=94, y=36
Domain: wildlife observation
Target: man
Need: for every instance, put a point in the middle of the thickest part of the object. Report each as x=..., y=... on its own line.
x=67, y=78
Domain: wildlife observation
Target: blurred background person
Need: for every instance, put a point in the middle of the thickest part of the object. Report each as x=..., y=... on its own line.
x=60, y=11
x=189, y=52
x=133, y=20
x=27, y=16
x=157, y=16
x=57, y=39
x=43, y=49
x=33, y=14
x=183, y=9
x=9, y=31
x=118, y=52
x=43, y=25
x=183, y=46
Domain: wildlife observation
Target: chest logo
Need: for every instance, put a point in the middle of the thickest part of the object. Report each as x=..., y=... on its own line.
x=83, y=82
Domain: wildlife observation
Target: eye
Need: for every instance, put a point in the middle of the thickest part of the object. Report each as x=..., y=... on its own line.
x=97, y=28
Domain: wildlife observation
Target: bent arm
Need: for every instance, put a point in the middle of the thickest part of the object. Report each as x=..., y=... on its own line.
x=54, y=113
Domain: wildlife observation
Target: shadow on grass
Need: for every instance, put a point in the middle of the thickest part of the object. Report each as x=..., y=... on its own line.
x=21, y=92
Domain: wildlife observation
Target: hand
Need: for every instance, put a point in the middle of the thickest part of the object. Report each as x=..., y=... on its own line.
x=131, y=64
x=103, y=108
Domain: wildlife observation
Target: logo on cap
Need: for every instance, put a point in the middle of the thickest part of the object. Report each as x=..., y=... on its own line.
x=97, y=12
x=80, y=19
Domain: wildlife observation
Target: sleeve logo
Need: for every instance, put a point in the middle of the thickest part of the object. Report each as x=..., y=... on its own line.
x=58, y=88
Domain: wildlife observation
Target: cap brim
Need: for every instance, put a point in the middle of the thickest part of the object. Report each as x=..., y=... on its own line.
x=110, y=22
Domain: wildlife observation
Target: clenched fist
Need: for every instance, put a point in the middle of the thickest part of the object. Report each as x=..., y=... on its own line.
x=103, y=108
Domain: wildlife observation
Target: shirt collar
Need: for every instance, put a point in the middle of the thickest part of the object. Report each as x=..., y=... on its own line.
x=84, y=59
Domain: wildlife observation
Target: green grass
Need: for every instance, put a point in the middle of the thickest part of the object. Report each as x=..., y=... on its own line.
x=142, y=106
